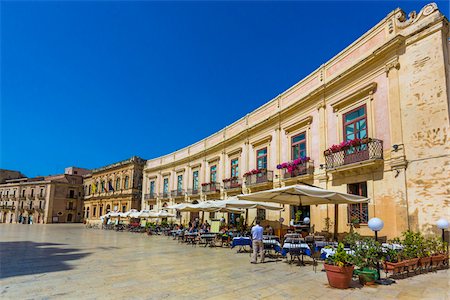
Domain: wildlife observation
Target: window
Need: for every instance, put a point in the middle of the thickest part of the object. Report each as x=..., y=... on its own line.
x=150, y=207
x=23, y=193
x=40, y=204
x=94, y=211
x=166, y=186
x=355, y=124
x=261, y=159
x=152, y=187
x=110, y=185
x=195, y=180
x=21, y=206
x=213, y=173
x=180, y=183
x=103, y=187
x=87, y=213
x=70, y=205
x=212, y=215
x=298, y=146
x=71, y=194
x=14, y=193
x=127, y=182
x=235, y=167
x=31, y=204
x=90, y=190
x=101, y=211
x=117, y=184
x=32, y=192
x=108, y=208
x=358, y=212
x=261, y=214
x=69, y=218
x=124, y=208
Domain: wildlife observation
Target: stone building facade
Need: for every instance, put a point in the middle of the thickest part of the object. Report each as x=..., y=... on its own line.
x=42, y=200
x=374, y=121
x=115, y=187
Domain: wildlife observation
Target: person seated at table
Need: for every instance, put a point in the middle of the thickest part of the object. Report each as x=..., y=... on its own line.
x=269, y=230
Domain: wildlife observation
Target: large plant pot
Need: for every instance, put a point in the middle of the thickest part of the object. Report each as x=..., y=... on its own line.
x=437, y=260
x=339, y=277
x=412, y=263
x=367, y=276
x=394, y=267
x=425, y=262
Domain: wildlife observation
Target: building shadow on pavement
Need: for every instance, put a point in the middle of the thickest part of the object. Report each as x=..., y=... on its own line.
x=28, y=258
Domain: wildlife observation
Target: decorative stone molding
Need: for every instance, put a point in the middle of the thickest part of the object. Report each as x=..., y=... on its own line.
x=320, y=105
x=402, y=22
x=363, y=92
x=235, y=151
x=390, y=65
x=165, y=174
x=266, y=139
x=193, y=166
x=306, y=121
x=180, y=170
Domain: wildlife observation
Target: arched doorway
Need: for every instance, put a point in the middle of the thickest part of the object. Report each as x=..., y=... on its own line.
x=69, y=218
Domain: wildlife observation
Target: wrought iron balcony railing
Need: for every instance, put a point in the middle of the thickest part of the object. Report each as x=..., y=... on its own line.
x=210, y=187
x=165, y=195
x=150, y=196
x=371, y=149
x=193, y=192
x=178, y=193
x=232, y=183
x=306, y=168
x=264, y=176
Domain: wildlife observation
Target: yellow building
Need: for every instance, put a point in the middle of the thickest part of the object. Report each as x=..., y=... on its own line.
x=42, y=200
x=372, y=121
x=115, y=187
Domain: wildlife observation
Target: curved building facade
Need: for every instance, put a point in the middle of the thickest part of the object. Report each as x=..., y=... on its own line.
x=371, y=121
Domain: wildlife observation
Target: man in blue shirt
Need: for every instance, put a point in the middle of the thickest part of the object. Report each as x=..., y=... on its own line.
x=257, y=242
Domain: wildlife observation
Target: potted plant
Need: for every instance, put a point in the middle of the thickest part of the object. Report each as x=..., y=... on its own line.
x=411, y=242
x=393, y=261
x=339, y=268
x=438, y=250
x=298, y=216
x=366, y=254
x=425, y=254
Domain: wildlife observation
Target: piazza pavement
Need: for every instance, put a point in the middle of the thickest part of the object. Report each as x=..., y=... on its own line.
x=68, y=261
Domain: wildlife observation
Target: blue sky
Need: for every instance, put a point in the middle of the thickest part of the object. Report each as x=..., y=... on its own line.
x=93, y=83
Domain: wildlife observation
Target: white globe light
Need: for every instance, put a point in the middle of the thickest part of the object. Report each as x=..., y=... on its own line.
x=376, y=224
x=442, y=223
x=306, y=220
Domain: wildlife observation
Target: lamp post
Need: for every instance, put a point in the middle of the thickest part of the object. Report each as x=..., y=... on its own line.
x=376, y=224
x=442, y=224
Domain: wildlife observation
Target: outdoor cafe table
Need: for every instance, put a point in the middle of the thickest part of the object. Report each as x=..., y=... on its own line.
x=241, y=242
x=208, y=238
x=272, y=244
x=295, y=249
x=190, y=237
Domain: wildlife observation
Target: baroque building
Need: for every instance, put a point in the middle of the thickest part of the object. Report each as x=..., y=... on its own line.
x=115, y=187
x=371, y=121
x=42, y=200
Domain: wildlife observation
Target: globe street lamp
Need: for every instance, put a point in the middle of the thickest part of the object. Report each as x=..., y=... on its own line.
x=442, y=224
x=376, y=224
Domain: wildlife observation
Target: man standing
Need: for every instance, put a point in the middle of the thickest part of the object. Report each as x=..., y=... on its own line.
x=257, y=242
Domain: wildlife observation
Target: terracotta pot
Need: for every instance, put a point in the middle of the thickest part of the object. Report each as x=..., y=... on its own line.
x=339, y=277
x=437, y=260
x=425, y=262
x=394, y=267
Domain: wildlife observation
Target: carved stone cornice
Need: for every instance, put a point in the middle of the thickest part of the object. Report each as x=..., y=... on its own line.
x=402, y=22
x=262, y=141
x=304, y=122
x=343, y=102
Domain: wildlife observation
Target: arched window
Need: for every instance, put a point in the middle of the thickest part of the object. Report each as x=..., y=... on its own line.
x=90, y=189
x=110, y=185
x=117, y=184
x=103, y=186
x=108, y=208
x=126, y=182
x=87, y=213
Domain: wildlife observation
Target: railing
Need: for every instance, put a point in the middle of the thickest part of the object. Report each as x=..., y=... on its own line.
x=165, y=195
x=264, y=176
x=150, y=196
x=193, y=192
x=71, y=208
x=6, y=206
x=211, y=187
x=178, y=193
x=232, y=183
x=72, y=196
x=299, y=170
x=370, y=150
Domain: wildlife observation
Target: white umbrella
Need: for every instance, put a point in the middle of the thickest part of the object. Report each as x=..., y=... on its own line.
x=237, y=203
x=304, y=195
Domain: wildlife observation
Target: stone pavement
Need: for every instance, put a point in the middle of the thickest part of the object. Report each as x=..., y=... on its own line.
x=67, y=261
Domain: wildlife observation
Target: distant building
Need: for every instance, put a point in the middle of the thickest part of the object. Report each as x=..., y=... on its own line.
x=76, y=171
x=9, y=174
x=115, y=187
x=47, y=199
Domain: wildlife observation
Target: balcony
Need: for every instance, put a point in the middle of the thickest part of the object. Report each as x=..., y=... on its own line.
x=178, y=193
x=165, y=195
x=150, y=196
x=262, y=177
x=8, y=207
x=301, y=169
x=232, y=183
x=72, y=196
x=71, y=208
x=369, y=150
x=211, y=187
x=193, y=192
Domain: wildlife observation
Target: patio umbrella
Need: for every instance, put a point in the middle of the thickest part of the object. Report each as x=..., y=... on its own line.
x=234, y=202
x=306, y=195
